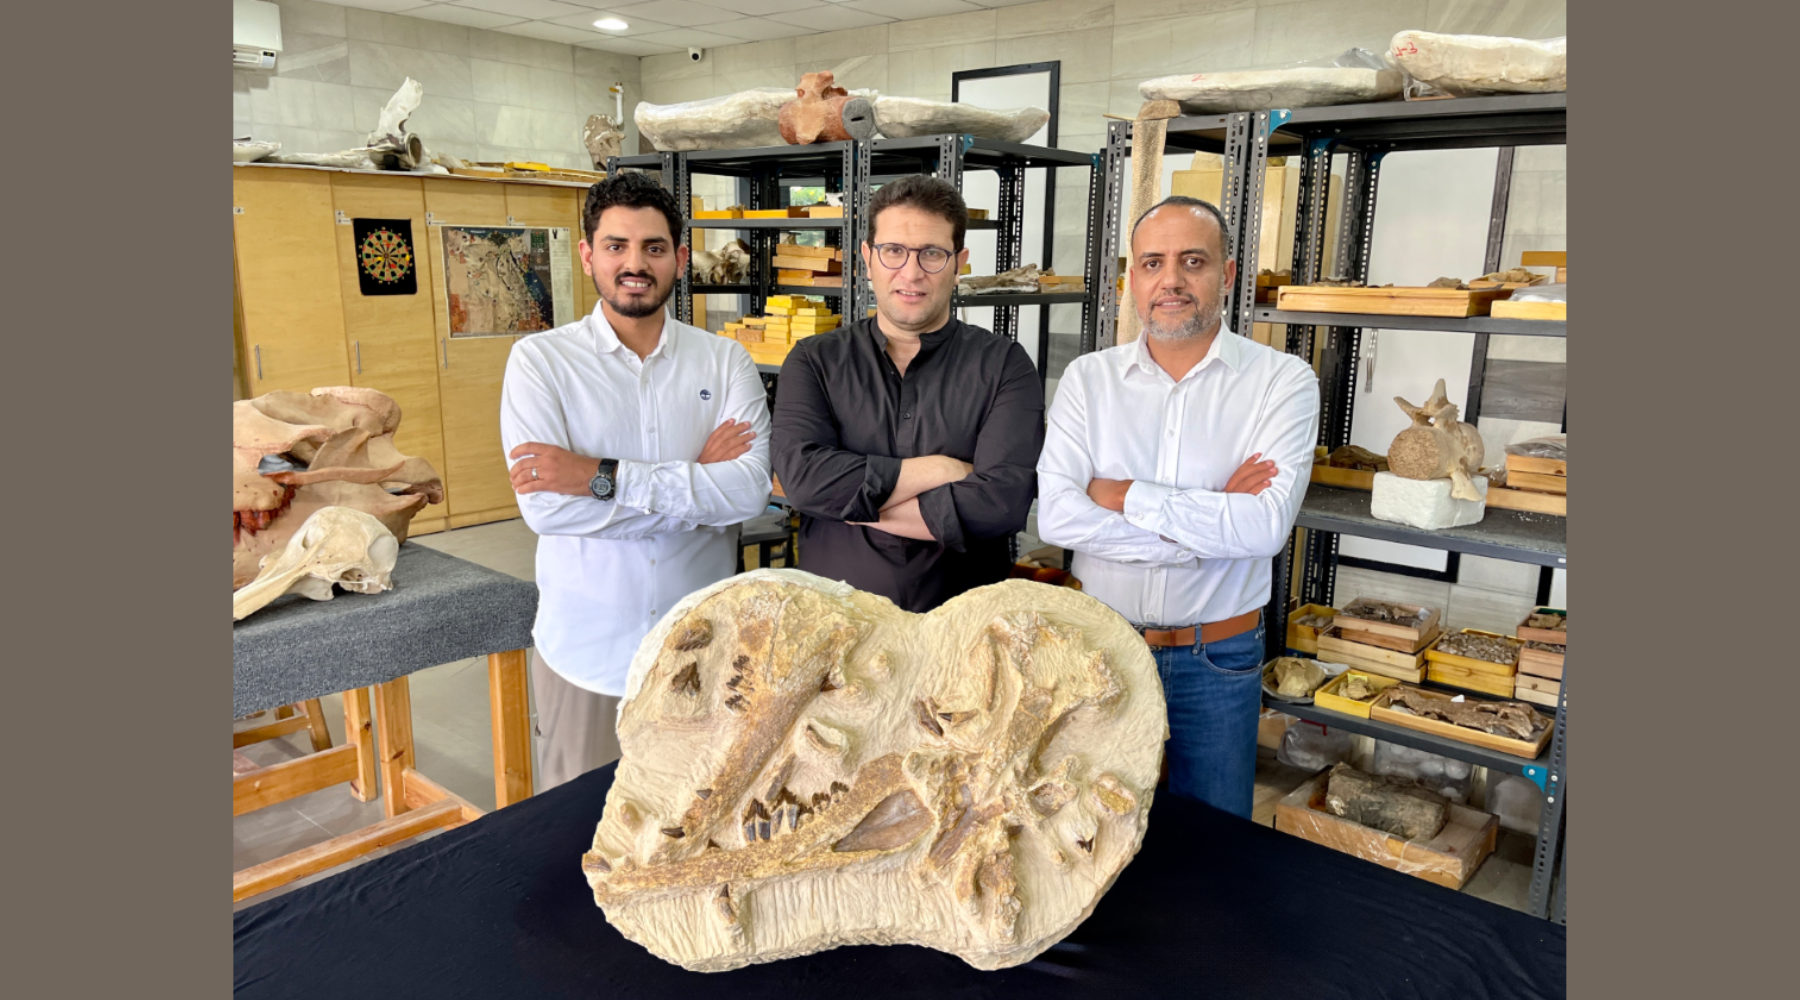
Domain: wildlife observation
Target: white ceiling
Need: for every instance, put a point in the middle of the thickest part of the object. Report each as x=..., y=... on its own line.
x=662, y=26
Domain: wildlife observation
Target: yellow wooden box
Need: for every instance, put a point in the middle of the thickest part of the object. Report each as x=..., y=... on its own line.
x=1389, y=301
x=723, y=213
x=1470, y=663
x=1469, y=680
x=1448, y=859
x=1530, y=310
x=1329, y=698
x=1305, y=638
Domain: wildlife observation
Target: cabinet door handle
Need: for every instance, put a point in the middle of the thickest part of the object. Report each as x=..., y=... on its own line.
x=358, y=357
x=258, y=352
x=446, y=354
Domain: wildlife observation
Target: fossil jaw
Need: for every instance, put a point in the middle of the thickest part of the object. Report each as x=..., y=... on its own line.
x=787, y=739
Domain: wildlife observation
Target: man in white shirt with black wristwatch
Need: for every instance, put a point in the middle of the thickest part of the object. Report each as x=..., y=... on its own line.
x=1173, y=468
x=638, y=444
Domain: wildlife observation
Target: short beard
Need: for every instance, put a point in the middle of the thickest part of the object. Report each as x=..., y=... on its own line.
x=1204, y=319
x=636, y=310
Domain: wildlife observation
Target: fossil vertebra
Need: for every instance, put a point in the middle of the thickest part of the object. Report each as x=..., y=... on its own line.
x=807, y=766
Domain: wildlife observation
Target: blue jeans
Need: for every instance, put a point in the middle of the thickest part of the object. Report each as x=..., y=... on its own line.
x=1214, y=693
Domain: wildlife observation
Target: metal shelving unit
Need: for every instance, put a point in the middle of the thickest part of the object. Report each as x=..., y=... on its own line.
x=853, y=168
x=1364, y=134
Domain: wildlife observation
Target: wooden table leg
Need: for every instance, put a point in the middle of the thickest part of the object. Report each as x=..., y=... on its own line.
x=359, y=731
x=315, y=724
x=393, y=715
x=509, y=701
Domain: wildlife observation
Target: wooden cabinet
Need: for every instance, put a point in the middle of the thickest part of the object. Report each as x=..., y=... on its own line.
x=390, y=337
x=285, y=243
x=301, y=321
x=474, y=459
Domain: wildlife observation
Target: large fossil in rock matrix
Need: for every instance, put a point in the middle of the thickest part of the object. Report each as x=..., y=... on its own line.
x=807, y=766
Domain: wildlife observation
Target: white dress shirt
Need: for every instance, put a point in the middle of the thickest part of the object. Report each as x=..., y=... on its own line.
x=1182, y=553
x=608, y=570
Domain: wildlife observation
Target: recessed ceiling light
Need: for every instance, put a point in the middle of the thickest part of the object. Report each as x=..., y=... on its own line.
x=611, y=24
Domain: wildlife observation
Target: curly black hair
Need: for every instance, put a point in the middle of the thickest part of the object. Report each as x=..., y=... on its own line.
x=629, y=190
x=928, y=194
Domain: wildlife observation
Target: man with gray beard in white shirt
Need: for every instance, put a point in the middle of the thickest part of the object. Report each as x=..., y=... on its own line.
x=1173, y=468
x=639, y=444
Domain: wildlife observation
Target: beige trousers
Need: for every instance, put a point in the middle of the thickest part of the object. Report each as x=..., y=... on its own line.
x=575, y=729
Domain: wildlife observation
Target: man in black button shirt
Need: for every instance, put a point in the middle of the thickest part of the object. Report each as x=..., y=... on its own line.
x=909, y=440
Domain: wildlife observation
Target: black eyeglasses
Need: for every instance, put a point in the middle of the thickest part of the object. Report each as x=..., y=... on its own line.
x=893, y=257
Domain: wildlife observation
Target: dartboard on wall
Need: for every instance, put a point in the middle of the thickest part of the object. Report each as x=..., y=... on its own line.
x=385, y=262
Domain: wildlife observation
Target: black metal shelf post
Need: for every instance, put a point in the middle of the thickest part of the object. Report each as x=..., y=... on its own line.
x=1364, y=134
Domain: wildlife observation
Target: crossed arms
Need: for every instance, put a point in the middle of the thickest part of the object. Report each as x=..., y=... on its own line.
x=727, y=483
x=1153, y=524
x=942, y=498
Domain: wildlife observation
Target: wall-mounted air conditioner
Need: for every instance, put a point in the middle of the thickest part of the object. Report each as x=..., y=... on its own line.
x=255, y=34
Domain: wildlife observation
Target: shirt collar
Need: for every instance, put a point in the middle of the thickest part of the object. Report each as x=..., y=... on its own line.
x=606, y=340
x=1227, y=348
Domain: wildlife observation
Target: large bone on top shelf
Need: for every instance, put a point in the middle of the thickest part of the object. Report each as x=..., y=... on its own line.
x=807, y=766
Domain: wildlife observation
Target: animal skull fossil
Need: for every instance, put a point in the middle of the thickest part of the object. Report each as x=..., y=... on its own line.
x=807, y=766
x=294, y=453
x=336, y=545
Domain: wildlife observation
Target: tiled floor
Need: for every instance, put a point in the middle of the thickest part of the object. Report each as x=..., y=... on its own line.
x=452, y=745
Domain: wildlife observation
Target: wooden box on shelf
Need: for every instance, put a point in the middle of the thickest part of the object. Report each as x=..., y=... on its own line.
x=1470, y=673
x=1331, y=697
x=1331, y=475
x=1305, y=638
x=1380, y=712
x=722, y=213
x=1334, y=647
x=825, y=212
x=775, y=213
x=1448, y=859
x=1530, y=310
x=1541, y=663
x=1453, y=302
x=1558, y=636
x=1407, y=638
x=1544, y=475
x=1537, y=690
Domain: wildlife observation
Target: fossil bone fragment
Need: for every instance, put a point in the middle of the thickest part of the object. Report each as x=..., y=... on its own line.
x=822, y=111
x=1474, y=65
x=970, y=780
x=904, y=117
x=293, y=453
x=1260, y=89
x=336, y=545
x=1437, y=445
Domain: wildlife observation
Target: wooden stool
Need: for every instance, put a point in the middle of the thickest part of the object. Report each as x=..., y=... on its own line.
x=311, y=718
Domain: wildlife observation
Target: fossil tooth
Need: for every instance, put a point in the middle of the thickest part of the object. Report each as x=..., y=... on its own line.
x=735, y=681
x=703, y=794
x=594, y=861
x=723, y=906
x=826, y=685
x=838, y=788
x=735, y=703
x=695, y=636
x=741, y=664
x=1086, y=845
x=674, y=831
x=688, y=680
x=778, y=783
x=927, y=717
x=713, y=845
x=820, y=800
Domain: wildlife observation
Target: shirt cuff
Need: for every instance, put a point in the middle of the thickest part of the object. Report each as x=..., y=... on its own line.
x=881, y=473
x=937, y=507
x=632, y=485
x=1143, y=504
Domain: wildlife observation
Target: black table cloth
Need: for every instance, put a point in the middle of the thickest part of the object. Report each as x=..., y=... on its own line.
x=442, y=609
x=1213, y=906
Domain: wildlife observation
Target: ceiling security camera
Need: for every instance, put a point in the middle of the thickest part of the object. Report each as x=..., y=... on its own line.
x=695, y=55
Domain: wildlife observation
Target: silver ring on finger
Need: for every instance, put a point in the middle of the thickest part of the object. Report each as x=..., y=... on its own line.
x=534, y=474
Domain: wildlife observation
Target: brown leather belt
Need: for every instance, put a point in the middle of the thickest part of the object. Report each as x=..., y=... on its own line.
x=1209, y=633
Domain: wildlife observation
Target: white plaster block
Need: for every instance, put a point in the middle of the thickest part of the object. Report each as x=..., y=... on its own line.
x=1426, y=503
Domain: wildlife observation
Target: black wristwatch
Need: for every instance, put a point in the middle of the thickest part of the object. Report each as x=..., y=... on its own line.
x=601, y=486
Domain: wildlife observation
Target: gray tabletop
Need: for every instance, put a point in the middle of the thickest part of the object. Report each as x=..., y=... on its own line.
x=441, y=609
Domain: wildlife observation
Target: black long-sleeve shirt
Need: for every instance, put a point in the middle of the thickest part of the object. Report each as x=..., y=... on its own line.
x=845, y=417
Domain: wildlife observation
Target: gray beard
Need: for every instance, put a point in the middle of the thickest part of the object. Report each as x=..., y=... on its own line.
x=1202, y=321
